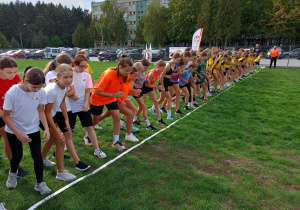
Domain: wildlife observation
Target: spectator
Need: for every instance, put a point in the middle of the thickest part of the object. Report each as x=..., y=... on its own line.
x=274, y=55
x=257, y=50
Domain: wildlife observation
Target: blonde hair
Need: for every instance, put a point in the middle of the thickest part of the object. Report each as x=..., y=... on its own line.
x=63, y=68
x=139, y=66
x=61, y=58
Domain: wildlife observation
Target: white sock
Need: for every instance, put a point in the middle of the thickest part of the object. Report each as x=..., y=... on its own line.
x=128, y=134
x=121, y=122
x=190, y=103
x=147, y=122
x=116, y=138
x=135, y=118
x=218, y=86
x=153, y=107
x=210, y=88
x=86, y=134
x=169, y=113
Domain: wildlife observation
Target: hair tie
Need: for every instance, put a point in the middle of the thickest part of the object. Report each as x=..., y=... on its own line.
x=54, y=61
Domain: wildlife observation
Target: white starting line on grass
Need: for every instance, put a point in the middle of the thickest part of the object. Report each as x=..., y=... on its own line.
x=121, y=155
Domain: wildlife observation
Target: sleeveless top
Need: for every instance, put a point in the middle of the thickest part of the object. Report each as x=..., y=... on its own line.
x=154, y=78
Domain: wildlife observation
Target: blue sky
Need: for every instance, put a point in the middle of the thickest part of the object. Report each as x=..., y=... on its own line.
x=85, y=4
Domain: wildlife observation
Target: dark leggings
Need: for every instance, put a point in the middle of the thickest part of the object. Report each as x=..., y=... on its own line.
x=273, y=59
x=16, y=147
x=188, y=86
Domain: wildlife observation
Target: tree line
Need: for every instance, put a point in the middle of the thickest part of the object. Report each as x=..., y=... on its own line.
x=223, y=21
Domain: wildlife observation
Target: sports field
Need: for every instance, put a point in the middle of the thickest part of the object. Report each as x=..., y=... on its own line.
x=240, y=150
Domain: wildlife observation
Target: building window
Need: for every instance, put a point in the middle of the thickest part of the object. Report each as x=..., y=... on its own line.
x=142, y=12
x=117, y=5
x=125, y=15
x=95, y=8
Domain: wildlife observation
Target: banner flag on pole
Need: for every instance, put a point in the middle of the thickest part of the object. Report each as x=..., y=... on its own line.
x=150, y=53
x=146, y=52
x=197, y=39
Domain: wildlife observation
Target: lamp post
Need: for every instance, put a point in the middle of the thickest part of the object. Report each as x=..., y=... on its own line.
x=21, y=35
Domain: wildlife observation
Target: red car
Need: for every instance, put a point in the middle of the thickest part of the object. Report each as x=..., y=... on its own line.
x=18, y=54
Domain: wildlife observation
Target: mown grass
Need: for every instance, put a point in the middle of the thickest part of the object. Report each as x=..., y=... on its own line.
x=240, y=150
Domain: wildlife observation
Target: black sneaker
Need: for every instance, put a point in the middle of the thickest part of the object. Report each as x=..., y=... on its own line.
x=201, y=97
x=21, y=172
x=66, y=157
x=138, y=120
x=187, y=108
x=151, y=127
x=179, y=112
x=81, y=166
x=195, y=105
x=162, y=110
x=137, y=123
x=161, y=122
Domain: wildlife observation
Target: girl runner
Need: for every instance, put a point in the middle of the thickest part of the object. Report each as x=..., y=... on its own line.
x=23, y=107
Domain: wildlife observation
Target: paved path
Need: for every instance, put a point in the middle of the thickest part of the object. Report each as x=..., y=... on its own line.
x=281, y=63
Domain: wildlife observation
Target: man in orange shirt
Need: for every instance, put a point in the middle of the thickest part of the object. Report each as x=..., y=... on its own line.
x=274, y=55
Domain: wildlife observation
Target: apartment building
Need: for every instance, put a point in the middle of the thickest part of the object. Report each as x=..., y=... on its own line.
x=134, y=10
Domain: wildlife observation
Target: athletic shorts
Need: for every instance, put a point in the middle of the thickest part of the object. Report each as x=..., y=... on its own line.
x=213, y=71
x=227, y=69
x=98, y=110
x=182, y=86
x=166, y=84
x=141, y=94
x=243, y=66
x=61, y=120
x=224, y=73
x=257, y=63
x=146, y=90
x=54, y=120
x=2, y=123
x=84, y=117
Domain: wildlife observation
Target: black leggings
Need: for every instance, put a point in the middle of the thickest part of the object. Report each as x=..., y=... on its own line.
x=273, y=59
x=16, y=147
x=188, y=86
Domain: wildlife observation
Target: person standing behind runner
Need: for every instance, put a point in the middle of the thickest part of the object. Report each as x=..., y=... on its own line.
x=8, y=78
x=274, y=55
x=22, y=111
x=257, y=50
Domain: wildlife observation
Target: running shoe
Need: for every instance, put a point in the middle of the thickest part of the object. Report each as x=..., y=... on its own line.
x=87, y=141
x=65, y=176
x=42, y=188
x=97, y=127
x=195, y=102
x=81, y=166
x=182, y=99
x=152, y=111
x=48, y=163
x=151, y=127
x=12, y=180
x=173, y=104
x=161, y=122
x=131, y=137
x=134, y=129
x=162, y=109
x=206, y=99
x=201, y=97
x=187, y=108
x=66, y=157
x=179, y=112
x=119, y=145
x=170, y=118
x=137, y=123
x=99, y=153
x=21, y=172
x=123, y=127
x=2, y=206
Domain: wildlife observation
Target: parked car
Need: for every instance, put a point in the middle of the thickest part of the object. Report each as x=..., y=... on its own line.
x=51, y=52
x=94, y=52
x=39, y=54
x=294, y=53
x=134, y=54
x=18, y=54
x=7, y=53
x=159, y=55
x=110, y=55
x=30, y=54
x=70, y=52
x=232, y=49
x=298, y=58
x=280, y=53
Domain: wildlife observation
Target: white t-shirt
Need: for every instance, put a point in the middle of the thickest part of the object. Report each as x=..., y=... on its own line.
x=55, y=95
x=50, y=75
x=24, y=106
x=81, y=81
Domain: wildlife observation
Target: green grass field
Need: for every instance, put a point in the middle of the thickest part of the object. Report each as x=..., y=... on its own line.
x=239, y=151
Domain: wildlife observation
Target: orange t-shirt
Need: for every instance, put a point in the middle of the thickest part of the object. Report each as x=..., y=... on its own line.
x=274, y=53
x=108, y=82
x=126, y=89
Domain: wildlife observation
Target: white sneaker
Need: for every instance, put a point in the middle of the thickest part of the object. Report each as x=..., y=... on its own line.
x=42, y=188
x=191, y=106
x=173, y=104
x=97, y=127
x=48, y=163
x=2, y=206
x=131, y=137
x=12, y=180
x=99, y=153
x=65, y=149
x=65, y=176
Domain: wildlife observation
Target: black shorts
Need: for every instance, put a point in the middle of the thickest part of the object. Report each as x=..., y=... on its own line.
x=227, y=69
x=98, y=110
x=146, y=90
x=172, y=83
x=182, y=86
x=141, y=94
x=257, y=63
x=60, y=119
x=243, y=66
x=224, y=73
x=166, y=84
x=84, y=117
x=2, y=123
x=54, y=120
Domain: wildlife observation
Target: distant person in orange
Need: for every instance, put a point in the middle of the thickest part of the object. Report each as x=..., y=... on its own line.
x=274, y=55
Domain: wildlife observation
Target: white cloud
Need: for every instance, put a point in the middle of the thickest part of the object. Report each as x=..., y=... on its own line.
x=84, y=4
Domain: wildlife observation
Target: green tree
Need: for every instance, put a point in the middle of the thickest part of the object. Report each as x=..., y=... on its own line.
x=182, y=20
x=227, y=26
x=14, y=43
x=139, y=33
x=80, y=36
x=3, y=42
x=155, y=24
x=40, y=40
x=94, y=32
x=56, y=41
